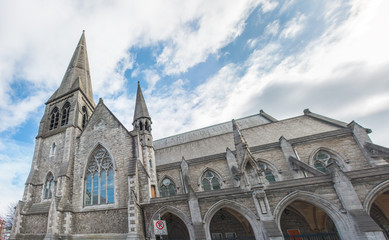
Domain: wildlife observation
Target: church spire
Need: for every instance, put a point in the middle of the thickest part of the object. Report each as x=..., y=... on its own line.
x=140, y=106
x=142, y=119
x=77, y=75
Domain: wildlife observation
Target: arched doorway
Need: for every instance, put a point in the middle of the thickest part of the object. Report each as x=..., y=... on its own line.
x=176, y=228
x=301, y=219
x=230, y=224
x=379, y=210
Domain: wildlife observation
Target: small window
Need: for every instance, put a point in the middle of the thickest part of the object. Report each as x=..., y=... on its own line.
x=49, y=186
x=210, y=181
x=167, y=188
x=65, y=114
x=54, y=118
x=84, y=117
x=153, y=191
x=53, y=149
x=267, y=172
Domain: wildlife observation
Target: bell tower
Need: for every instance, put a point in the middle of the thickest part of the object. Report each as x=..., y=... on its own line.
x=142, y=125
x=48, y=186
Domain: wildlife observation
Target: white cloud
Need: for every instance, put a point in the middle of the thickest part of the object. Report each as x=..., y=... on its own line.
x=293, y=27
x=272, y=28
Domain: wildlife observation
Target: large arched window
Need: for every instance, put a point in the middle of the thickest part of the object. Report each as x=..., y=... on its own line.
x=99, y=182
x=65, y=114
x=210, y=181
x=321, y=160
x=167, y=188
x=54, y=118
x=84, y=117
x=267, y=172
x=49, y=186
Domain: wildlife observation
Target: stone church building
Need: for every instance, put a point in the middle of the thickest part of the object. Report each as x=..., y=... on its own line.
x=252, y=178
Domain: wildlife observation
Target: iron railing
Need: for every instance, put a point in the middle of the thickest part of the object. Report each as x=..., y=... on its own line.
x=314, y=236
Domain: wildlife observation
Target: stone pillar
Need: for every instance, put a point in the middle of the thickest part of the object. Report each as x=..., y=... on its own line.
x=235, y=173
x=268, y=224
x=288, y=151
x=365, y=227
x=193, y=203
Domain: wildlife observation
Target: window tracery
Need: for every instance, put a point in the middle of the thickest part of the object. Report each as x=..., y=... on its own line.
x=49, y=186
x=99, y=183
x=167, y=188
x=54, y=118
x=322, y=159
x=210, y=181
x=65, y=114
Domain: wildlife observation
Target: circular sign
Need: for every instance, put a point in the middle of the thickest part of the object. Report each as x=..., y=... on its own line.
x=160, y=225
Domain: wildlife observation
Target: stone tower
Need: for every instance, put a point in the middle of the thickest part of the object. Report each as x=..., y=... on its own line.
x=65, y=116
x=142, y=124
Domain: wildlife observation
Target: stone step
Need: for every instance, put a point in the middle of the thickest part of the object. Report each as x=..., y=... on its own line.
x=39, y=208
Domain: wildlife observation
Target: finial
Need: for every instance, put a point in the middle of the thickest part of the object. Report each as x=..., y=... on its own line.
x=83, y=31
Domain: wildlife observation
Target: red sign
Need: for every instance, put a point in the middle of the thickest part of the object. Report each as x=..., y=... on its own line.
x=160, y=225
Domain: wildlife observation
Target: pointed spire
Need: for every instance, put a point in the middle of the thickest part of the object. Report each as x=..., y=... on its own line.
x=77, y=75
x=140, y=106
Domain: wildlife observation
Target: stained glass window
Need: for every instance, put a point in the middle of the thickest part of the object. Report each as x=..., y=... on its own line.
x=210, y=181
x=167, y=188
x=99, y=183
x=322, y=159
x=267, y=172
x=49, y=186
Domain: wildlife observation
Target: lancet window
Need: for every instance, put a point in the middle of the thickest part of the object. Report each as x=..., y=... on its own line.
x=167, y=188
x=49, y=186
x=65, y=114
x=210, y=181
x=322, y=159
x=54, y=118
x=84, y=117
x=267, y=171
x=99, y=182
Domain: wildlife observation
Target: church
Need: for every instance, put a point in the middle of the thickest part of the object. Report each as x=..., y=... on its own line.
x=257, y=177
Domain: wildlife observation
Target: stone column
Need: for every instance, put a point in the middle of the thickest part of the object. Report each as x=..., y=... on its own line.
x=193, y=203
x=268, y=224
x=365, y=227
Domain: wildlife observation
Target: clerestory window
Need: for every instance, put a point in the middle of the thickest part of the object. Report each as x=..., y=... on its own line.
x=167, y=188
x=99, y=182
x=65, y=114
x=267, y=172
x=54, y=118
x=49, y=186
x=210, y=181
x=322, y=159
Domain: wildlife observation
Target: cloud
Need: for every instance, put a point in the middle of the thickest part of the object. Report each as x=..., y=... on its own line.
x=272, y=28
x=293, y=27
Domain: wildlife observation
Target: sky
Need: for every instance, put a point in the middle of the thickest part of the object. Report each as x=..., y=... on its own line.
x=198, y=62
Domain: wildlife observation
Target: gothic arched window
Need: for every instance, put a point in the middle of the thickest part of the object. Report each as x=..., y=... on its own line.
x=49, y=186
x=267, y=171
x=65, y=114
x=99, y=182
x=84, y=117
x=322, y=159
x=167, y=188
x=54, y=118
x=210, y=181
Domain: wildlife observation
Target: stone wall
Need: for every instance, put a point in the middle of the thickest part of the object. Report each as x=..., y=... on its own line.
x=105, y=221
x=35, y=223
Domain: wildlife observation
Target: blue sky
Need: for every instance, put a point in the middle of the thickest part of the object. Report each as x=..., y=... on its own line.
x=198, y=62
